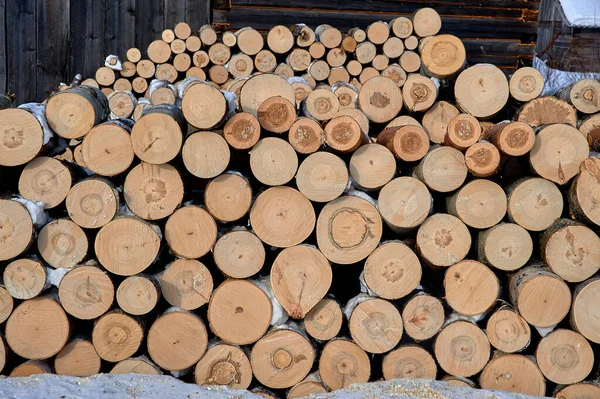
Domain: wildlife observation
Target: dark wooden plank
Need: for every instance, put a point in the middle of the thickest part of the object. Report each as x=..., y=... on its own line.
x=119, y=27
x=53, y=50
x=174, y=13
x=498, y=47
x=197, y=12
x=21, y=49
x=149, y=23
x=3, y=46
x=87, y=36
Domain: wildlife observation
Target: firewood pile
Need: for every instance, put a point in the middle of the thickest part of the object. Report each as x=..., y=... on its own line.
x=298, y=211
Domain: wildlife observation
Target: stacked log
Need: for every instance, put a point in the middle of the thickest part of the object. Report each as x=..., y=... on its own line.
x=300, y=238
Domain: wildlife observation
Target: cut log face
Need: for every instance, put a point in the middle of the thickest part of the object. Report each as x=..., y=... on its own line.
x=443, y=56
x=358, y=116
x=565, y=357
x=507, y=331
x=584, y=314
x=526, y=84
x=265, y=61
x=239, y=254
x=228, y=197
x=404, y=203
x=86, y=292
x=481, y=90
x=395, y=73
x=534, y=203
x=242, y=131
x=258, y=88
x=380, y=99
x=45, y=180
x=480, y=204
x=376, y=325
x=273, y=161
x=37, y=329
x=442, y=169
x=203, y=106
x=305, y=36
x=29, y=368
x=134, y=55
x=443, y=240
x=408, y=143
x=240, y=65
x=137, y=295
x=208, y=35
x=107, y=149
x=276, y=114
x=305, y=388
x=584, y=95
x=78, y=359
x=393, y=47
x=419, y=93
x=157, y=136
x=471, y=288
x=463, y=131
x=513, y=373
x=348, y=230
x=546, y=111
x=372, y=166
x=321, y=104
x=367, y=74
x=482, y=159
x=159, y=52
x=513, y=139
x=324, y=320
x=402, y=27
x=462, y=349
x=177, y=340
x=122, y=103
x=558, y=152
x=138, y=366
x=506, y=246
x=6, y=308
x=186, y=284
x=343, y=363
x=392, y=271
x=87, y=105
x=200, y=59
x=585, y=390
x=24, y=278
x=585, y=193
x=105, y=76
x=322, y=177
x=22, y=135
x=239, y=312
x=423, y=317
x=436, y=120
x=62, y=243
x=92, y=203
x=205, y=154
x=343, y=134
x=117, y=336
x=249, y=41
x=126, y=246
x=190, y=232
x=16, y=229
x=224, y=365
x=426, y=22
x=280, y=39
x=219, y=54
x=590, y=128
x=409, y=361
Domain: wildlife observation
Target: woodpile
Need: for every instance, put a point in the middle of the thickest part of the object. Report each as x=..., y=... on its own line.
x=298, y=211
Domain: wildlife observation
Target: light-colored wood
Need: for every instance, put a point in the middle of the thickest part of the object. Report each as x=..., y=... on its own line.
x=122, y=84
x=557, y=153
x=380, y=99
x=6, y=308
x=349, y=44
x=426, y=22
x=534, y=203
x=105, y=76
x=547, y=110
x=463, y=131
x=122, y=103
x=584, y=192
x=409, y=361
x=22, y=135
x=378, y=32
x=324, y=320
x=402, y=27
x=506, y=246
x=411, y=42
x=219, y=54
x=239, y=312
x=159, y=51
x=177, y=340
x=457, y=381
x=471, y=288
x=157, y=135
x=86, y=292
x=134, y=55
x=24, y=279
x=265, y=61
x=190, y=232
x=410, y=61
x=242, y=131
x=393, y=47
x=273, y=161
x=62, y=243
x=186, y=284
x=354, y=67
x=403, y=120
x=321, y=104
x=145, y=69
x=29, y=368
x=182, y=62
x=200, y=59
x=138, y=366
x=305, y=36
x=306, y=387
x=481, y=90
x=282, y=358
x=280, y=39
x=203, y=106
x=167, y=35
x=153, y=192
x=249, y=41
x=507, y=331
x=140, y=85
x=177, y=46
x=565, y=357
x=366, y=74
x=228, y=197
x=182, y=30
x=480, y=204
x=240, y=65
x=513, y=373
x=512, y=139
x=462, y=349
x=299, y=60
x=358, y=34
x=365, y=52
x=276, y=114
x=590, y=128
x=336, y=57
x=239, y=254
x=205, y=154
x=78, y=359
x=358, y=116
x=107, y=91
x=193, y=43
x=404, y=203
x=116, y=336
x=395, y=73
x=316, y=50
x=482, y=159
x=526, y=84
x=584, y=390
x=342, y=363
x=442, y=169
x=126, y=246
x=436, y=120
x=392, y=271
x=137, y=295
x=372, y=166
x=46, y=180
x=584, y=314
x=423, y=317
x=443, y=56
x=329, y=36
x=207, y=34
x=92, y=203
x=443, y=240
x=343, y=133
x=90, y=82
x=346, y=93
x=300, y=277
x=276, y=210
x=322, y=177
x=408, y=143
x=583, y=94
x=542, y=298
x=258, y=88
x=37, y=329
x=224, y=365
x=128, y=70
x=419, y=93
x=107, y=149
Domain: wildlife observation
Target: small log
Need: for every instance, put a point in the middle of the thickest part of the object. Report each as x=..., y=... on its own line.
x=402, y=27
x=107, y=149
x=195, y=72
x=186, y=284
x=134, y=55
x=62, y=243
x=380, y=62
x=280, y=39
x=218, y=75
x=407, y=143
x=249, y=41
x=105, y=76
x=358, y=34
x=342, y=363
x=375, y=325
x=457, y=381
x=239, y=254
x=107, y=91
x=482, y=159
x=138, y=295
x=158, y=133
x=324, y=320
x=239, y=312
x=534, y=203
x=312, y=384
x=346, y=93
x=182, y=62
x=513, y=373
x=200, y=59
x=481, y=90
x=228, y=197
x=583, y=95
x=336, y=57
x=443, y=56
x=128, y=70
x=276, y=231
x=78, y=359
x=276, y=114
x=506, y=246
x=224, y=364
x=583, y=195
x=410, y=61
x=367, y=74
x=380, y=99
x=463, y=131
x=265, y=61
x=573, y=391
x=342, y=133
x=392, y=271
x=122, y=103
x=378, y=32
x=190, y=232
x=409, y=361
x=436, y=120
x=219, y=54
x=86, y=292
x=167, y=35
x=393, y=47
x=90, y=82
x=526, y=84
x=541, y=297
x=584, y=316
x=145, y=69
x=404, y=203
x=443, y=240
x=23, y=137
x=329, y=36
x=242, y=131
x=273, y=161
x=126, y=246
x=575, y=361
x=349, y=44
x=166, y=72
x=193, y=43
x=546, y=111
x=29, y=368
x=182, y=30
x=372, y=166
x=205, y=154
x=426, y=22
x=548, y=157
x=24, y=279
x=322, y=177
x=423, y=317
x=139, y=365
x=358, y=116
x=6, y=308
x=299, y=59
x=512, y=139
x=507, y=331
x=462, y=349
x=319, y=70
x=258, y=88
x=46, y=180
x=365, y=52
x=411, y=43
x=92, y=203
x=177, y=46
x=177, y=340
x=140, y=85
x=448, y=159
x=37, y=329
x=316, y=50
x=480, y=204
x=305, y=36
x=590, y=128
x=78, y=155
x=354, y=67
x=207, y=34
x=240, y=65
x=306, y=135
x=159, y=51
x=471, y=288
